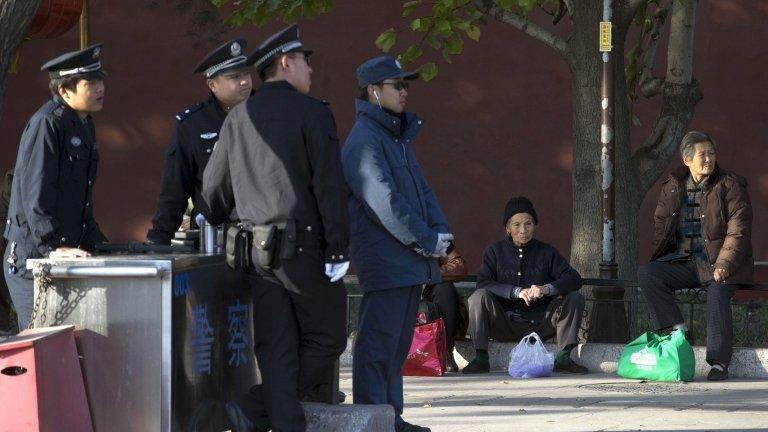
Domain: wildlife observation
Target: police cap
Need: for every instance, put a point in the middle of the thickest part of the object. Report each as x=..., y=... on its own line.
x=283, y=42
x=225, y=58
x=83, y=62
x=380, y=68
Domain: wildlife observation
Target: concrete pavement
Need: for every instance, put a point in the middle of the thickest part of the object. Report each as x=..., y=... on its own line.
x=595, y=402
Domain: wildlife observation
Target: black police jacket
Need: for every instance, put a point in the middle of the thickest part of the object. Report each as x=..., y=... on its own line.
x=278, y=158
x=51, y=197
x=197, y=130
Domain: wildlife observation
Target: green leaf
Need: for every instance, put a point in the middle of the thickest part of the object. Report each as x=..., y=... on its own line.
x=504, y=4
x=386, y=40
x=454, y=44
x=474, y=33
x=412, y=53
x=409, y=7
x=475, y=13
x=434, y=42
x=462, y=25
x=527, y=6
x=443, y=27
x=418, y=25
x=446, y=55
x=428, y=71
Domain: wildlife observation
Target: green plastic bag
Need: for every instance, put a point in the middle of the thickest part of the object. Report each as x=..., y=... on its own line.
x=658, y=358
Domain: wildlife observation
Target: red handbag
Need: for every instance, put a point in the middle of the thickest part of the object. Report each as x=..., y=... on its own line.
x=427, y=354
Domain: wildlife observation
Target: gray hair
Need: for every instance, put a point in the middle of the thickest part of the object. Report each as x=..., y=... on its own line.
x=687, y=145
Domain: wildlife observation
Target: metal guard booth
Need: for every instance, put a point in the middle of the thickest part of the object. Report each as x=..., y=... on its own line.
x=165, y=340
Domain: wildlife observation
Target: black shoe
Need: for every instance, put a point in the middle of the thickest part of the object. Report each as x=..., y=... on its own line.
x=450, y=364
x=689, y=337
x=407, y=427
x=321, y=394
x=716, y=374
x=476, y=366
x=240, y=422
x=570, y=367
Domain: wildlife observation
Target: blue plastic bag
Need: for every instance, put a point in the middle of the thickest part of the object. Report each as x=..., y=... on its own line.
x=530, y=359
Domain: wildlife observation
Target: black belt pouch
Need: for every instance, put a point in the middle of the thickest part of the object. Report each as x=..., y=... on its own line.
x=264, y=245
x=238, y=248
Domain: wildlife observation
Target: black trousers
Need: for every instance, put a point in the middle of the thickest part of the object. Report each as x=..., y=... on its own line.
x=299, y=327
x=488, y=319
x=445, y=296
x=385, y=324
x=659, y=279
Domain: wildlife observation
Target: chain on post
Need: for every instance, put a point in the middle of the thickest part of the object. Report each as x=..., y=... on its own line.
x=43, y=282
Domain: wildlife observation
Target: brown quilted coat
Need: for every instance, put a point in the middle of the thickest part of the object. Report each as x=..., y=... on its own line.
x=726, y=227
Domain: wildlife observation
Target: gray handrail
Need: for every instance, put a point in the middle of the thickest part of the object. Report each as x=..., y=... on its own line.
x=108, y=271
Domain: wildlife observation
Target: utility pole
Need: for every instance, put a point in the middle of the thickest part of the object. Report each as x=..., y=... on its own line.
x=608, y=321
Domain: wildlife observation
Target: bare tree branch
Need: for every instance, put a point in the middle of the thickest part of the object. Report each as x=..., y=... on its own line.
x=634, y=5
x=649, y=85
x=680, y=50
x=523, y=24
x=569, y=6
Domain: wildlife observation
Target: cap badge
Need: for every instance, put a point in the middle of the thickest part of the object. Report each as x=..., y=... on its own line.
x=399, y=66
x=96, y=52
x=76, y=141
x=235, y=49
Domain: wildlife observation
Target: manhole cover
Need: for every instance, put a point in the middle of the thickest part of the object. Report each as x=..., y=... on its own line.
x=646, y=387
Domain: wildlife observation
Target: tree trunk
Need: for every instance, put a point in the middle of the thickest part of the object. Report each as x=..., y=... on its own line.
x=586, y=246
x=15, y=17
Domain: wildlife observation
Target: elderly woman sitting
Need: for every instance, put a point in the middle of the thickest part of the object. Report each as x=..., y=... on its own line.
x=525, y=285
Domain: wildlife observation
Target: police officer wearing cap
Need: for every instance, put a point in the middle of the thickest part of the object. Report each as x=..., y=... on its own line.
x=278, y=159
x=51, y=207
x=197, y=129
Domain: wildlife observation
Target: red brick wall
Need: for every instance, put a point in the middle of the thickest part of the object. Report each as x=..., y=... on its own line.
x=497, y=121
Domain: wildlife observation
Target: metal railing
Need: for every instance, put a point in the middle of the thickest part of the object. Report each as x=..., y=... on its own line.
x=750, y=313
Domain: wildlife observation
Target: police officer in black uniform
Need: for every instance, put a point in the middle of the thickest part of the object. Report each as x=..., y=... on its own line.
x=278, y=159
x=197, y=129
x=51, y=208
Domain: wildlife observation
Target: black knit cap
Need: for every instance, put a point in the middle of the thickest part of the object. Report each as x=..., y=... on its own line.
x=517, y=205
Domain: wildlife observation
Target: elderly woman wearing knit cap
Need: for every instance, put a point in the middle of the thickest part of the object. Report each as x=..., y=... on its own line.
x=525, y=285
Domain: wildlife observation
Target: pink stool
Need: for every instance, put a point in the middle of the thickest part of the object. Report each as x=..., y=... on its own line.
x=41, y=385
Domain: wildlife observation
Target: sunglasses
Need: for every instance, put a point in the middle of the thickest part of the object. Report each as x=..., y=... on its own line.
x=397, y=85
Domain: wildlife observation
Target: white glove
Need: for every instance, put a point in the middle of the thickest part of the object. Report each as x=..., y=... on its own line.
x=443, y=241
x=336, y=271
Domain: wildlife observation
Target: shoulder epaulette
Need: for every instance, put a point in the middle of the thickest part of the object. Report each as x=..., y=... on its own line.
x=187, y=112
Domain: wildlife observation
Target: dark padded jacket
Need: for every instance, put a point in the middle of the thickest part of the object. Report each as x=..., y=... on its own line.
x=726, y=225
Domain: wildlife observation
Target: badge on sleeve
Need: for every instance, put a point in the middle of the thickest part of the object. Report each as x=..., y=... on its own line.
x=76, y=141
